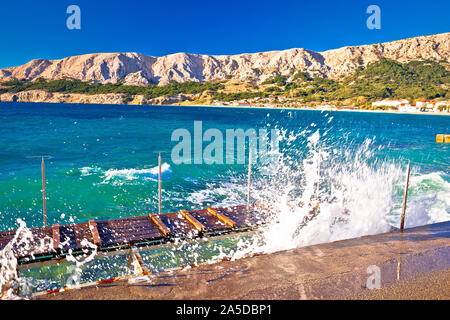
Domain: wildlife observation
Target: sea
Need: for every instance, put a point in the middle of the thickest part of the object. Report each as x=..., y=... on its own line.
x=101, y=162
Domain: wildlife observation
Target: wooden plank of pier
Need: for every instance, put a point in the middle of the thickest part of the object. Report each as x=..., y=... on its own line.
x=245, y=217
x=222, y=217
x=156, y=220
x=94, y=232
x=210, y=223
x=128, y=230
x=197, y=224
x=56, y=236
x=178, y=226
x=40, y=243
x=6, y=237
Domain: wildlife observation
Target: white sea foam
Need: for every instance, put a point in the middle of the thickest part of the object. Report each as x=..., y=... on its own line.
x=119, y=176
x=75, y=270
x=22, y=241
x=122, y=176
x=87, y=171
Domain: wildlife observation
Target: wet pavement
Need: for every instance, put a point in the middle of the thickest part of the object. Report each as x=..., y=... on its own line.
x=411, y=265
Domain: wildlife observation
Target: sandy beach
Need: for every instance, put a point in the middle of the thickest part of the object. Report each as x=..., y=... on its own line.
x=316, y=109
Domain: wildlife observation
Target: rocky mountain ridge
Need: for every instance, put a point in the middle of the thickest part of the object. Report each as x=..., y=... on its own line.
x=138, y=69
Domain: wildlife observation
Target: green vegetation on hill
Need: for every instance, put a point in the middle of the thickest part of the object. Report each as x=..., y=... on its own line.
x=77, y=86
x=278, y=80
x=384, y=79
x=221, y=96
x=390, y=79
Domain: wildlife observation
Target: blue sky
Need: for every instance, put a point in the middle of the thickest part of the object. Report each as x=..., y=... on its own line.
x=37, y=29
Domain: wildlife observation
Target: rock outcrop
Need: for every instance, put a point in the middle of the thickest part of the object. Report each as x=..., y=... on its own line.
x=104, y=98
x=57, y=97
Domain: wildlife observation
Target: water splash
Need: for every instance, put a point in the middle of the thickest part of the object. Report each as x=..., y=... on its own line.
x=9, y=278
x=76, y=270
x=324, y=192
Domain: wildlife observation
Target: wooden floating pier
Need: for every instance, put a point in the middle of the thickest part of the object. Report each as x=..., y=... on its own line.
x=53, y=243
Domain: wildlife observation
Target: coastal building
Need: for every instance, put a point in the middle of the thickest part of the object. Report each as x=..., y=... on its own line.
x=391, y=103
x=347, y=108
x=424, y=104
x=407, y=108
x=240, y=104
x=327, y=107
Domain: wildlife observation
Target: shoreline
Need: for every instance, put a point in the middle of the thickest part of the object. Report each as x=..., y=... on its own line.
x=239, y=107
x=315, y=109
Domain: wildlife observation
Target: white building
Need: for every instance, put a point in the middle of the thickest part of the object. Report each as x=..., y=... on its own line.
x=327, y=107
x=390, y=103
x=407, y=108
x=424, y=104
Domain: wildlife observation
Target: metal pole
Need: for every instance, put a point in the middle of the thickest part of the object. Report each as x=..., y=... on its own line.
x=249, y=176
x=318, y=176
x=44, y=204
x=405, y=197
x=159, y=183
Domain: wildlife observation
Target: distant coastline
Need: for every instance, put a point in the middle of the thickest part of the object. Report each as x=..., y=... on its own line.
x=324, y=110
x=316, y=109
x=107, y=101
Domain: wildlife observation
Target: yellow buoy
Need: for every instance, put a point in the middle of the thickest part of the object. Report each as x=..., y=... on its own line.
x=443, y=138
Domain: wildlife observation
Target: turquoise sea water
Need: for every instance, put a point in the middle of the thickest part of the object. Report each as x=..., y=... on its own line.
x=93, y=146
x=103, y=161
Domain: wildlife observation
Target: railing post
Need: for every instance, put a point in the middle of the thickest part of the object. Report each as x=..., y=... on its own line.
x=159, y=184
x=405, y=198
x=44, y=203
x=44, y=200
x=249, y=176
x=318, y=175
x=159, y=181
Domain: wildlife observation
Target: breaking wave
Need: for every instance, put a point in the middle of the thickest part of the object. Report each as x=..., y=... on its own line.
x=118, y=176
x=121, y=176
x=357, y=192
